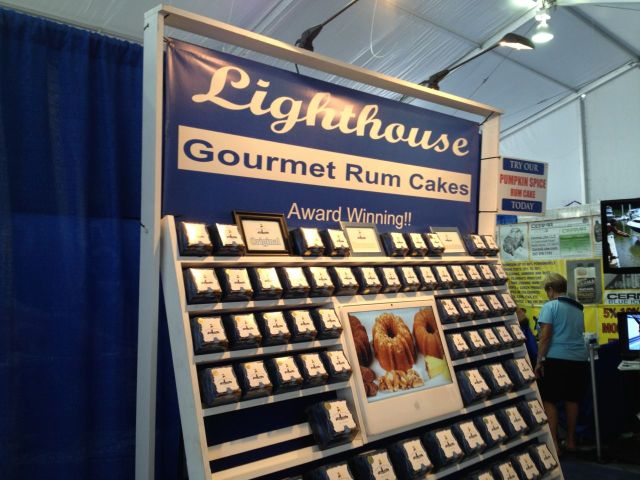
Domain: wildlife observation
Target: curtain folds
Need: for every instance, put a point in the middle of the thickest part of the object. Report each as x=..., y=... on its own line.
x=70, y=140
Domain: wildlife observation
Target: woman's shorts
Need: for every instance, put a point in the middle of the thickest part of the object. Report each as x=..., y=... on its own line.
x=563, y=380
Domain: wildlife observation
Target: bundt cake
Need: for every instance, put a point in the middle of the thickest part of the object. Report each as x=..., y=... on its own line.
x=425, y=331
x=392, y=343
x=361, y=340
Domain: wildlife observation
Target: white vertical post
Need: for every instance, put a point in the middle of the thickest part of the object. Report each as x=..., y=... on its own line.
x=584, y=154
x=489, y=168
x=152, y=78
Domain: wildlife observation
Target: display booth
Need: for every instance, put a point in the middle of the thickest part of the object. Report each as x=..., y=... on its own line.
x=315, y=328
x=576, y=243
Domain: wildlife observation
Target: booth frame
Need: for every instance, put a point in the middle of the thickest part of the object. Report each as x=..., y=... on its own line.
x=156, y=21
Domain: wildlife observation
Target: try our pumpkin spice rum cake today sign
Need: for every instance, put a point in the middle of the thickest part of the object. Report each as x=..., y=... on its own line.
x=241, y=135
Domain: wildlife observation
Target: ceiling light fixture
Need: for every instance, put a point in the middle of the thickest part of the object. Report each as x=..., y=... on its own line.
x=543, y=33
x=511, y=40
x=309, y=35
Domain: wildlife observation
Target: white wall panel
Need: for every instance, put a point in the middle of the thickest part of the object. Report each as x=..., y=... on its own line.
x=555, y=139
x=613, y=139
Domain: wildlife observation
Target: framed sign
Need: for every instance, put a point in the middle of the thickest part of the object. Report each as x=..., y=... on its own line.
x=264, y=233
x=451, y=239
x=363, y=238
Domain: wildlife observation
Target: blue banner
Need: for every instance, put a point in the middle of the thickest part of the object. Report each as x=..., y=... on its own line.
x=521, y=206
x=524, y=166
x=241, y=135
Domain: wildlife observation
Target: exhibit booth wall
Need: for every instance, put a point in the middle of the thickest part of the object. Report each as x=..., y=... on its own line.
x=590, y=142
x=70, y=141
x=566, y=241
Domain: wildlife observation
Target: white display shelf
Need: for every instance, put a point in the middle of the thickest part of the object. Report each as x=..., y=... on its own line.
x=469, y=290
x=253, y=352
x=193, y=415
x=492, y=452
x=497, y=400
x=261, y=440
x=479, y=322
x=292, y=261
x=279, y=397
x=227, y=307
x=486, y=356
x=281, y=462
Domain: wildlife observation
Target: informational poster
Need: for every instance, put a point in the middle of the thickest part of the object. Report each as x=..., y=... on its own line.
x=241, y=135
x=526, y=280
x=570, y=247
x=514, y=242
x=566, y=238
x=522, y=187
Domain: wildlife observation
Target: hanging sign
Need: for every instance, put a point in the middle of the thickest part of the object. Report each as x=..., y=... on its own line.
x=241, y=135
x=522, y=187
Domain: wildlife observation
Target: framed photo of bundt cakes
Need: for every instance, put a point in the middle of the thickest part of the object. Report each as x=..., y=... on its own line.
x=405, y=372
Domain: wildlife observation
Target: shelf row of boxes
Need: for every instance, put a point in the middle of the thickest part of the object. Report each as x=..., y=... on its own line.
x=440, y=449
x=228, y=284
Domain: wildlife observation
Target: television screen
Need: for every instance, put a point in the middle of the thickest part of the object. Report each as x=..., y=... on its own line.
x=633, y=331
x=403, y=373
x=398, y=366
x=629, y=331
x=620, y=235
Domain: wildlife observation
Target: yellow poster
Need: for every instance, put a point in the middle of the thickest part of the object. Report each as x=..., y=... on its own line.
x=608, y=321
x=591, y=319
x=526, y=279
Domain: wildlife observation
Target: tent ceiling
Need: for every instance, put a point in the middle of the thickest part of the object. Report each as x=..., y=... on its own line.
x=411, y=39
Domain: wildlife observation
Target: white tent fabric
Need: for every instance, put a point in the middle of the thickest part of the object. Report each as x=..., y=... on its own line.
x=412, y=39
x=562, y=148
x=612, y=115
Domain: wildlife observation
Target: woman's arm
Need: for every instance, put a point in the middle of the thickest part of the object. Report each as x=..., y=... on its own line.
x=546, y=331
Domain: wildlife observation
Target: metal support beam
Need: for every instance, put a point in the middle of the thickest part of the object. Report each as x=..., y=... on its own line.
x=604, y=32
x=569, y=98
x=584, y=160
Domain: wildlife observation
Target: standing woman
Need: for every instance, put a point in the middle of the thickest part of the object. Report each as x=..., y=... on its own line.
x=562, y=356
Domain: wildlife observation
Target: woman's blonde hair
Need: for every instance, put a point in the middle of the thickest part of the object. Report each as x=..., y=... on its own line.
x=555, y=281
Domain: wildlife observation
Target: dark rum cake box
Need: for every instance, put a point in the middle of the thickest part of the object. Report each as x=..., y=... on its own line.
x=332, y=423
x=410, y=459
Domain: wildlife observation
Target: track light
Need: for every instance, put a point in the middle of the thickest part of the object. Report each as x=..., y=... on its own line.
x=543, y=33
x=511, y=40
x=515, y=41
x=309, y=35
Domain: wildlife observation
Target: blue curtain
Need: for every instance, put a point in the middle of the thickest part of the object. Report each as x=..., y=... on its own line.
x=70, y=139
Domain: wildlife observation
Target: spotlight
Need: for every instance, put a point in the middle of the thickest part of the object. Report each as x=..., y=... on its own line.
x=309, y=35
x=543, y=33
x=511, y=40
